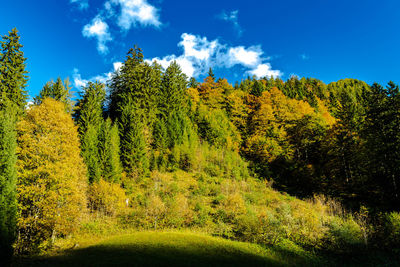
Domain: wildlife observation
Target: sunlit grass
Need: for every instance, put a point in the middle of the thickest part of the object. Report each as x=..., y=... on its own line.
x=164, y=249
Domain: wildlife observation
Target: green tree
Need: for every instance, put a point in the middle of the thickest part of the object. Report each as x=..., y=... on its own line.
x=134, y=102
x=8, y=177
x=89, y=117
x=173, y=89
x=381, y=131
x=110, y=152
x=211, y=74
x=13, y=78
x=134, y=150
x=135, y=81
x=58, y=90
x=13, y=96
x=193, y=83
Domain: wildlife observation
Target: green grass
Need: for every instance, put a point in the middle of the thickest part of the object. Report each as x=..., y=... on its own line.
x=167, y=249
x=192, y=249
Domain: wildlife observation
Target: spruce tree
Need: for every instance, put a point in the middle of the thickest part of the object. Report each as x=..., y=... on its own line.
x=110, y=152
x=57, y=90
x=133, y=143
x=13, y=96
x=193, y=83
x=8, y=176
x=173, y=89
x=89, y=117
x=12, y=71
x=134, y=102
x=211, y=74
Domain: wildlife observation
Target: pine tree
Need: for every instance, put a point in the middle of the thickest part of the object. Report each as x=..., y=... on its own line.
x=135, y=81
x=211, y=74
x=381, y=131
x=193, y=83
x=134, y=102
x=89, y=117
x=133, y=143
x=8, y=176
x=13, y=78
x=173, y=89
x=57, y=90
x=13, y=96
x=110, y=152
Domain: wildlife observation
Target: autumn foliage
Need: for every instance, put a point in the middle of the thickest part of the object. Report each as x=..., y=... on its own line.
x=51, y=175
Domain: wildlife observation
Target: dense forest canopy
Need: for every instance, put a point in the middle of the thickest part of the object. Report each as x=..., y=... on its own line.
x=61, y=159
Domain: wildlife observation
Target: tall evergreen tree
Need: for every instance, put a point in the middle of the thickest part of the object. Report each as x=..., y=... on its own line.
x=382, y=134
x=133, y=143
x=89, y=117
x=8, y=176
x=13, y=96
x=211, y=74
x=13, y=78
x=110, y=152
x=136, y=80
x=173, y=89
x=193, y=83
x=134, y=100
x=58, y=90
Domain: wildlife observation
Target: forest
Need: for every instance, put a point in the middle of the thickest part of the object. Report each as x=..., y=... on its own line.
x=296, y=165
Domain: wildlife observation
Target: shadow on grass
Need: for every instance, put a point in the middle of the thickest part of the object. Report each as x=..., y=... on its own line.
x=135, y=255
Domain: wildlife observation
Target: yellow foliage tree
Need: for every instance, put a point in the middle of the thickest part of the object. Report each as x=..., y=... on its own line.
x=274, y=113
x=107, y=198
x=51, y=176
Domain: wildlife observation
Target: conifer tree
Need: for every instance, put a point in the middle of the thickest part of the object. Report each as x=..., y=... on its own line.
x=134, y=100
x=57, y=90
x=8, y=176
x=193, y=83
x=173, y=89
x=133, y=143
x=13, y=96
x=13, y=78
x=110, y=152
x=89, y=117
x=211, y=74
x=136, y=80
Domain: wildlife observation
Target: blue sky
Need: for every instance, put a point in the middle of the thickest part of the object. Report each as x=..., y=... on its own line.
x=326, y=39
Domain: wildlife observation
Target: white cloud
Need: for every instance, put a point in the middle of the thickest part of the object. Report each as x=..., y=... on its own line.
x=124, y=13
x=233, y=18
x=134, y=12
x=264, y=70
x=197, y=47
x=79, y=82
x=82, y=4
x=99, y=30
x=247, y=57
x=199, y=55
x=117, y=65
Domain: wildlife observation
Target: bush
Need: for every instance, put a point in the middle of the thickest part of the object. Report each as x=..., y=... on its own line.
x=344, y=234
x=392, y=227
x=107, y=198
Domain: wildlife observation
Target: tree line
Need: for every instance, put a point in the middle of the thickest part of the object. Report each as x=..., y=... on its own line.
x=305, y=137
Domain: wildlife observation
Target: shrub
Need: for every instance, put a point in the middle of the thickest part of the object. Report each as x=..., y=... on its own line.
x=344, y=234
x=107, y=198
x=156, y=210
x=392, y=227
